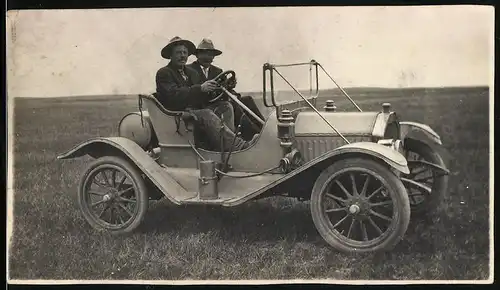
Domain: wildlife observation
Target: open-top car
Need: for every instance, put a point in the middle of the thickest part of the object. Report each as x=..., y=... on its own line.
x=353, y=167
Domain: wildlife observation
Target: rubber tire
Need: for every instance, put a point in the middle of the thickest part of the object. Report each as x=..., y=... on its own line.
x=439, y=188
x=399, y=195
x=138, y=182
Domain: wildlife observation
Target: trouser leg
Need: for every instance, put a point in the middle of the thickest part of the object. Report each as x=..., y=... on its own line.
x=211, y=124
x=225, y=111
x=250, y=103
x=249, y=126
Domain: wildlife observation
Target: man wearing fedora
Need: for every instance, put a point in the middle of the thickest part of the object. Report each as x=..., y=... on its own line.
x=180, y=88
x=205, y=54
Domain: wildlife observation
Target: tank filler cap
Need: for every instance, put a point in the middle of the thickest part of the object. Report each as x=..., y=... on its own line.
x=386, y=107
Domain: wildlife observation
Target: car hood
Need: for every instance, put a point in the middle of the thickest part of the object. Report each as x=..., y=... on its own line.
x=348, y=123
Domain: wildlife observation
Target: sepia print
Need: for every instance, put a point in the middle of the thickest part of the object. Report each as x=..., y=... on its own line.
x=250, y=145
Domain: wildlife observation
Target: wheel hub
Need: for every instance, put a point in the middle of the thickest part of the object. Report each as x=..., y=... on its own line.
x=111, y=195
x=358, y=206
x=354, y=209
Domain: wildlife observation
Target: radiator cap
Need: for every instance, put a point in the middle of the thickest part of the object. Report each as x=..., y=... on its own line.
x=330, y=106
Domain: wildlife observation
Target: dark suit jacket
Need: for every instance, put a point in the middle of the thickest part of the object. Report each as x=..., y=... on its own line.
x=213, y=70
x=177, y=94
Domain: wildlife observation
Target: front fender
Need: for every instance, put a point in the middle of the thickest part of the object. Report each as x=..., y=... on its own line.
x=130, y=150
x=420, y=132
x=381, y=152
x=392, y=157
x=384, y=153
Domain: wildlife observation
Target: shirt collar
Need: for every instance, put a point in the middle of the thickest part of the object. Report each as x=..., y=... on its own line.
x=179, y=69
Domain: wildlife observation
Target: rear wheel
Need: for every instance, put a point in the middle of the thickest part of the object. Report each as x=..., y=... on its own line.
x=358, y=205
x=426, y=184
x=112, y=195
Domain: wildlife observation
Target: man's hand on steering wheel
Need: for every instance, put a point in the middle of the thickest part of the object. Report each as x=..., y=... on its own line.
x=231, y=83
x=224, y=81
x=209, y=86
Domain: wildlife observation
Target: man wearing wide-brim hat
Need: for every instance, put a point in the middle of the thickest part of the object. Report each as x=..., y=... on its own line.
x=180, y=88
x=205, y=54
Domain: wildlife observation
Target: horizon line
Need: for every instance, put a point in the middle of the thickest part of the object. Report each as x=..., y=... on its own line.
x=289, y=90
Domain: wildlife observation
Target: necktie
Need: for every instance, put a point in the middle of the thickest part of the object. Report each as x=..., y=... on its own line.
x=183, y=75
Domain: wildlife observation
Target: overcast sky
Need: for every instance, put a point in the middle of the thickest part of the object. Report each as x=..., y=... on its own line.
x=86, y=52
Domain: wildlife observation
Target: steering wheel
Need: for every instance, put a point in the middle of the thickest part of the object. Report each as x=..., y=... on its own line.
x=226, y=79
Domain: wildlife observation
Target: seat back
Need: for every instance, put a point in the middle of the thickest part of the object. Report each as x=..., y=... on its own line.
x=169, y=127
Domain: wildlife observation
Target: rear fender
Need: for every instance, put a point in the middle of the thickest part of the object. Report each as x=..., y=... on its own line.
x=123, y=147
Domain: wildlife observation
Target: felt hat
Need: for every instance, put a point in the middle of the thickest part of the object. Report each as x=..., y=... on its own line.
x=167, y=50
x=207, y=45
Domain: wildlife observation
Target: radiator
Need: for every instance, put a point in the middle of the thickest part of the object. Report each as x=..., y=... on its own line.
x=312, y=146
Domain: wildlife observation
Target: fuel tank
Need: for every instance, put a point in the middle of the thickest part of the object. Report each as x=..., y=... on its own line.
x=140, y=131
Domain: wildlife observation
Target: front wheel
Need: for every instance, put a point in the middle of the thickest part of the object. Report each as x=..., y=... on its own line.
x=359, y=205
x=112, y=195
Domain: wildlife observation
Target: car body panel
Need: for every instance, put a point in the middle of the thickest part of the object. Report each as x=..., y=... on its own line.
x=265, y=153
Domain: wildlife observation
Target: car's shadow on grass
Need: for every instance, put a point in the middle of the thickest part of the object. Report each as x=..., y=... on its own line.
x=268, y=220
x=260, y=221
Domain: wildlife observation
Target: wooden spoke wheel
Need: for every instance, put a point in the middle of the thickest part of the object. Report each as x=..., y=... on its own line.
x=112, y=195
x=427, y=182
x=359, y=205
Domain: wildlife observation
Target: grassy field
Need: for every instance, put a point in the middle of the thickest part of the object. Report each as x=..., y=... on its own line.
x=268, y=239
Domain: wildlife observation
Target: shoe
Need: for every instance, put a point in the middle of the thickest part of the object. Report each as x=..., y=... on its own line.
x=251, y=142
x=254, y=139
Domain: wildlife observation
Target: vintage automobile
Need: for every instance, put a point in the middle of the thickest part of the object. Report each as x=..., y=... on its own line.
x=353, y=167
